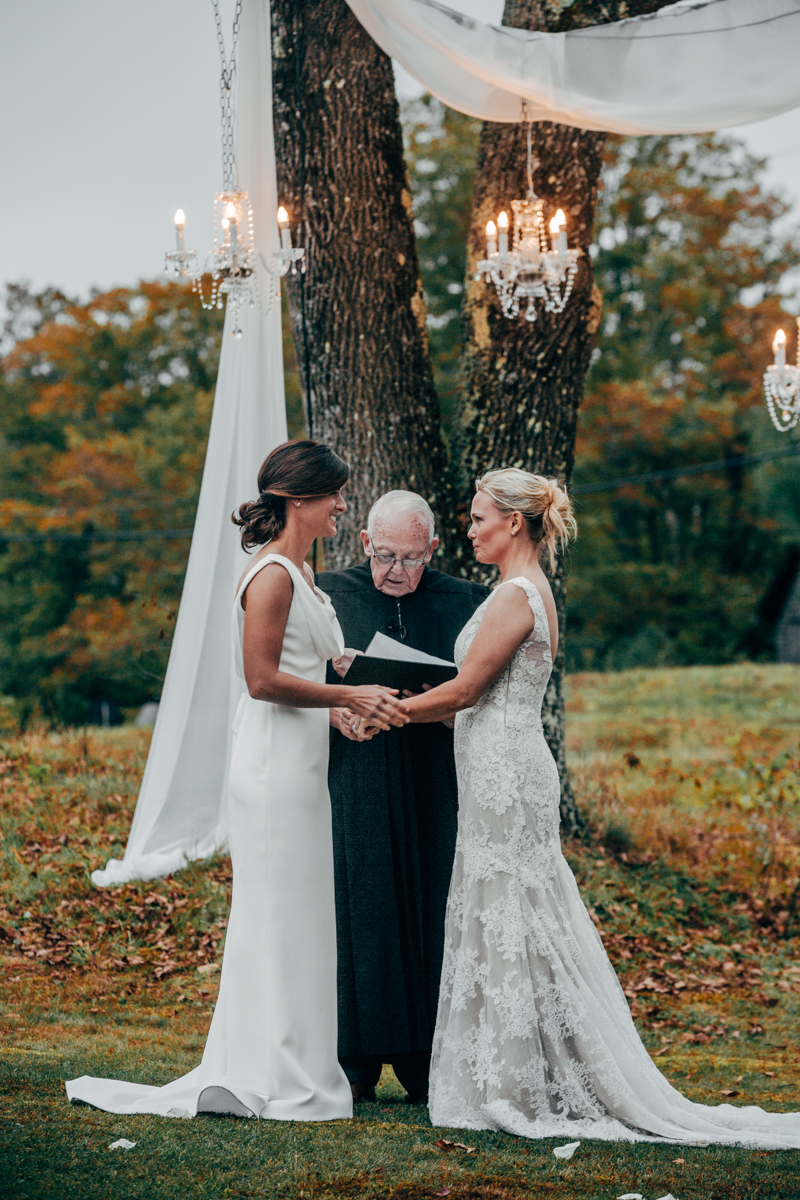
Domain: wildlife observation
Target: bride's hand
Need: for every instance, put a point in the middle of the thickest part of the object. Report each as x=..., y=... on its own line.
x=379, y=705
x=364, y=730
x=349, y=725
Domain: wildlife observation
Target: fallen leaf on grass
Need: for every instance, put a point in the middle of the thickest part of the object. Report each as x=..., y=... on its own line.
x=658, y=1053
x=566, y=1151
x=122, y=1144
x=728, y=1092
x=443, y=1144
x=738, y=1079
x=208, y=969
x=770, y=1073
x=679, y=1160
x=443, y=1192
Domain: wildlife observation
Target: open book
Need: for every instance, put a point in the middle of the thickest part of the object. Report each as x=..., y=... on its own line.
x=394, y=665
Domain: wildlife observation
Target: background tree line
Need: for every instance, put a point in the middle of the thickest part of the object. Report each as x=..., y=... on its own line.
x=104, y=410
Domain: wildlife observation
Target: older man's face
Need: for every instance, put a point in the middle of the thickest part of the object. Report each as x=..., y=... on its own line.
x=401, y=538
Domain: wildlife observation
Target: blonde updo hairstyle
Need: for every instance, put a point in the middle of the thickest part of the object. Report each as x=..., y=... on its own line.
x=544, y=505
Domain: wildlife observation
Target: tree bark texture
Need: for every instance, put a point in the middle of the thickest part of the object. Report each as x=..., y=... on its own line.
x=362, y=352
x=523, y=381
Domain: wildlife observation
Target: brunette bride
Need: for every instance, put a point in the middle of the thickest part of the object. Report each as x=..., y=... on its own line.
x=534, y=1035
x=271, y=1049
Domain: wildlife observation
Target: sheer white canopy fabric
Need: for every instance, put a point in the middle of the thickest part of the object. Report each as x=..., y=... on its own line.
x=691, y=67
x=180, y=813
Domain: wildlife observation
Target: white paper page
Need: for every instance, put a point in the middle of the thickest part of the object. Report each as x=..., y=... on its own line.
x=382, y=646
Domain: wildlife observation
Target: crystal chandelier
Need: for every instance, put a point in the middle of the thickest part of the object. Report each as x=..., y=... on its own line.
x=782, y=385
x=535, y=269
x=234, y=262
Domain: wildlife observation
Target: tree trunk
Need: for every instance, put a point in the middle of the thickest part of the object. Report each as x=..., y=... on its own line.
x=362, y=353
x=523, y=381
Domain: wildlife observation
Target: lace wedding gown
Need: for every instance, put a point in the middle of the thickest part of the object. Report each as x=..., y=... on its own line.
x=534, y=1035
x=271, y=1049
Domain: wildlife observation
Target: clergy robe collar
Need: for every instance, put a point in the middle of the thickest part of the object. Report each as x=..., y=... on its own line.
x=365, y=569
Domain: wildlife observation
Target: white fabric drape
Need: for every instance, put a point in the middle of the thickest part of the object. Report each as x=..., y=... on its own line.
x=180, y=813
x=688, y=68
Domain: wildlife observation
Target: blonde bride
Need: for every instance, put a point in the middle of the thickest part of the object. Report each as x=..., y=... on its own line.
x=534, y=1035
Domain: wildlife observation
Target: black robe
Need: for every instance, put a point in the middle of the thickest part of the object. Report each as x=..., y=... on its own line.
x=395, y=805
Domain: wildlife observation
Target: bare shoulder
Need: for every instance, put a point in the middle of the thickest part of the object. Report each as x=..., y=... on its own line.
x=509, y=604
x=272, y=583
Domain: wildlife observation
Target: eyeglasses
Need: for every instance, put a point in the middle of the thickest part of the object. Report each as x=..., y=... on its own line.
x=409, y=564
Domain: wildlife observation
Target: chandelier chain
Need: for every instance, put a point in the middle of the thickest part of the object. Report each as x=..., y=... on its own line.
x=226, y=95
x=526, y=117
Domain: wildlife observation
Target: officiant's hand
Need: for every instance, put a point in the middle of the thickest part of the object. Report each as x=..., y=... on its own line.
x=349, y=725
x=377, y=705
x=343, y=662
x=426, y=687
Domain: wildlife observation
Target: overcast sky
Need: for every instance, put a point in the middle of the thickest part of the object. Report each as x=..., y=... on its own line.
x=112, y=123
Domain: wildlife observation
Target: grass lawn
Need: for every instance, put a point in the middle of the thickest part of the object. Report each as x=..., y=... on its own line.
x=690, y=782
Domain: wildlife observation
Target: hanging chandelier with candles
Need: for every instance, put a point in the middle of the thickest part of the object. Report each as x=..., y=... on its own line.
x=536, y=268
x=782, y=385
x=234, y=263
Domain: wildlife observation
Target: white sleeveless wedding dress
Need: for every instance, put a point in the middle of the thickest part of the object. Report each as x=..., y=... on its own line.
x=534, y=1035
x=271, y=1049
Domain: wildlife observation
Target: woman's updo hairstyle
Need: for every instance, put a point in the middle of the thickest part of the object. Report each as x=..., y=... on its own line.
x=544, y=505
x=302, y=470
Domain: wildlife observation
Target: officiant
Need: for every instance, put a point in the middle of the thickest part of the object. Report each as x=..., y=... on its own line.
x=395, y=802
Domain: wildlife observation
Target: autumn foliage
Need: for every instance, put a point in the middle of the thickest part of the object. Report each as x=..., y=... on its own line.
x=105, y=412
x=690, y=258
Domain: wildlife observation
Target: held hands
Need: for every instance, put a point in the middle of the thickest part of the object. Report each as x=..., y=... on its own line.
x=346, y=721
x=448, y=722
x=377, y=706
